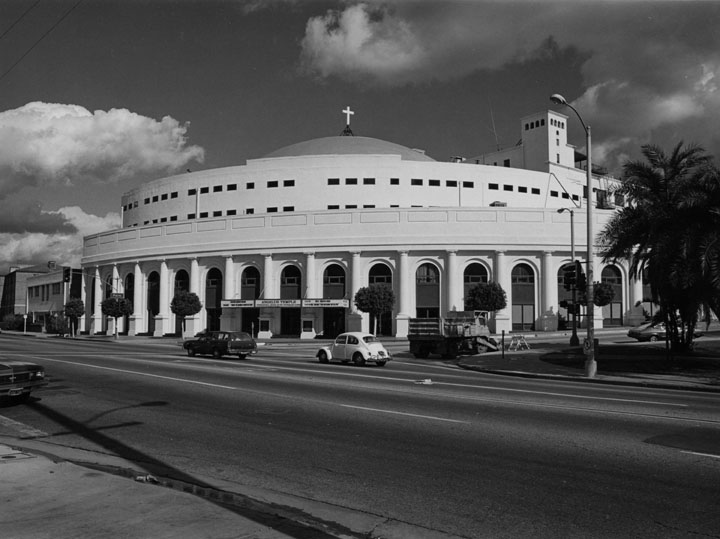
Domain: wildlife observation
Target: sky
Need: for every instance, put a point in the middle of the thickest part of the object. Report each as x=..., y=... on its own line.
x=99, y=96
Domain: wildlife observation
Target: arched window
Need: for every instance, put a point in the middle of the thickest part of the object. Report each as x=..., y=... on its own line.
x=523, y=298
x=380, y=273
x=290, y=280
x=474, y=274
x=334, y=282
x=427, y=291
x=182, y=281
x=612, y=313
x=250, y=283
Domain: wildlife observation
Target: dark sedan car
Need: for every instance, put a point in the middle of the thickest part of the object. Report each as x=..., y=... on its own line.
x=19, y=378
x=652, y=332
x=222, y=343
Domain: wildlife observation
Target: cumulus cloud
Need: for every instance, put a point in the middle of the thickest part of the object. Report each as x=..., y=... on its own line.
x=33, y=247
x=50, y=144
x=650, y=70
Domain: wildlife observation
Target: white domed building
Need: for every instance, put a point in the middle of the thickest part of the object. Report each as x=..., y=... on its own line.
x=279, y=246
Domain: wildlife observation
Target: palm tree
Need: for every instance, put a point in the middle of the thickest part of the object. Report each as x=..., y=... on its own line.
x=669, y=230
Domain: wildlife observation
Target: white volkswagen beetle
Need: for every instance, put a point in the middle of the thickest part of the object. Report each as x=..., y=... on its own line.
x=357, y=347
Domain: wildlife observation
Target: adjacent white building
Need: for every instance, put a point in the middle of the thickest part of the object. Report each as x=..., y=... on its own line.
x=280, y=245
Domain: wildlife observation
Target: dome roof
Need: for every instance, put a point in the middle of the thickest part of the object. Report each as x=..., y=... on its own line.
x=348, y=145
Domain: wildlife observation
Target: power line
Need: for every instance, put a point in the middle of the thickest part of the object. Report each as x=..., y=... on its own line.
x=40, y=39
x=21, y=17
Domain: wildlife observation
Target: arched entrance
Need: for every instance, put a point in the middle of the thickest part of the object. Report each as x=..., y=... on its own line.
x=182, y=284
x=153, y=300
x=381, y=274
x=333, y=288
x=213, y=297
x=613, y=313
x=427, y=291
x=290, y=282
x=523, y=298
x=250, y=289
x=473, y=275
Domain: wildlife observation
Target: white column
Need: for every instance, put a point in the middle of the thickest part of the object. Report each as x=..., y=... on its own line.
x=268, y=278
x=117, y=287
x=83, y=297
x=454, y=295
x=310, y=276
x=635, y=296
x=355, y=318
x=97, y=319
x=194, y=277
x=549, y=293
x=161, y=319
x=137, y=319
x=229, y=278
x=502, y=277
x=403, y=315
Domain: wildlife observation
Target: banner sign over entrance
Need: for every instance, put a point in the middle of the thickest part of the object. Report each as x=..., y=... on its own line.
x=313, y=302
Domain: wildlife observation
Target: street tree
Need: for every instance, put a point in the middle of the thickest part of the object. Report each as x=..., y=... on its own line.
x=115, y=308
x=376, y=299
x=74, y=309
x=185, y=304
x=486, y=297
x=669, y=232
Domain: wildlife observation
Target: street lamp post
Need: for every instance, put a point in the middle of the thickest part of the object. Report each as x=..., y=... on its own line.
x=574, y=341
x=590, y=363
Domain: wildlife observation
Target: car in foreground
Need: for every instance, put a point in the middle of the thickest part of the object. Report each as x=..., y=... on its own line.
x=357, y=347
x=19, y=378
x=222, y=343
x=652, y=332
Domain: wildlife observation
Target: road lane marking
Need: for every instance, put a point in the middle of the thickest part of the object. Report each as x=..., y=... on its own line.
x=401, y=413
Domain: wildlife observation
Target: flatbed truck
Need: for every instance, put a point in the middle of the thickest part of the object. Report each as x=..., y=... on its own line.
x=459, y=332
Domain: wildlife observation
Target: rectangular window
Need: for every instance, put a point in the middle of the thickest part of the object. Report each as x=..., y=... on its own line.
x=368, y=205
x=554, y=194
x=217, y=188
x=203, y=214
x=394, y=205
x=350, y=181
x=288, y=208
x=434, y=183
x=249, y=211
x=575, y=197
x=191, y=216
x=451, y=183
x=333, y=181
x=468, y=185
x=565, y=195
x=155, y=198
x=250, y=185
x=173, y=218
x=272, y=183
x=507, y=187
x=232, y=187
x=163, y=219
x=147, y=201
x=506, y=163
x=535, y=191
x=272, y=210
x=368, y=181
x=174, y=194
x=350, y=206
x=231, y=212
x=288, y=183
x=164, y=197
x=416, y=181
x=333, y=207
x=394, y=181
x=192, y=192
x=493, y=186
x=217, y=213
x=522, y=189
x=204, y=190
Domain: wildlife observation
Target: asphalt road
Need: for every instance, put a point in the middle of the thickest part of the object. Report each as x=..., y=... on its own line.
x=466, y=455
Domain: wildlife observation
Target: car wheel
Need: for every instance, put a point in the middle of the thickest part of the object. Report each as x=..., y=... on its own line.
x=322, y=356
x=216, y=353
x=653, y=338
x=191, y=351
x=242, y=356
x=380, y=363
x=358, y=359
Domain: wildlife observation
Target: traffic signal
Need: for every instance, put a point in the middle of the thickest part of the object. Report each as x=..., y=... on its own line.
x=581, y=280
x=569, y=277
x=66, y=274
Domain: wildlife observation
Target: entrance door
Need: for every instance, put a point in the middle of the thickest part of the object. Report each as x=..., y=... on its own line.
x=250, y=321
x=333, y=322
x=290, y=321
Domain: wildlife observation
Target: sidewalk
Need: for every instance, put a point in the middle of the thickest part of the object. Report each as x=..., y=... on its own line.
x=49, y=491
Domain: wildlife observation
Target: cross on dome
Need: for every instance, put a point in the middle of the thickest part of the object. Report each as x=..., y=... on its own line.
x=347, y=132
